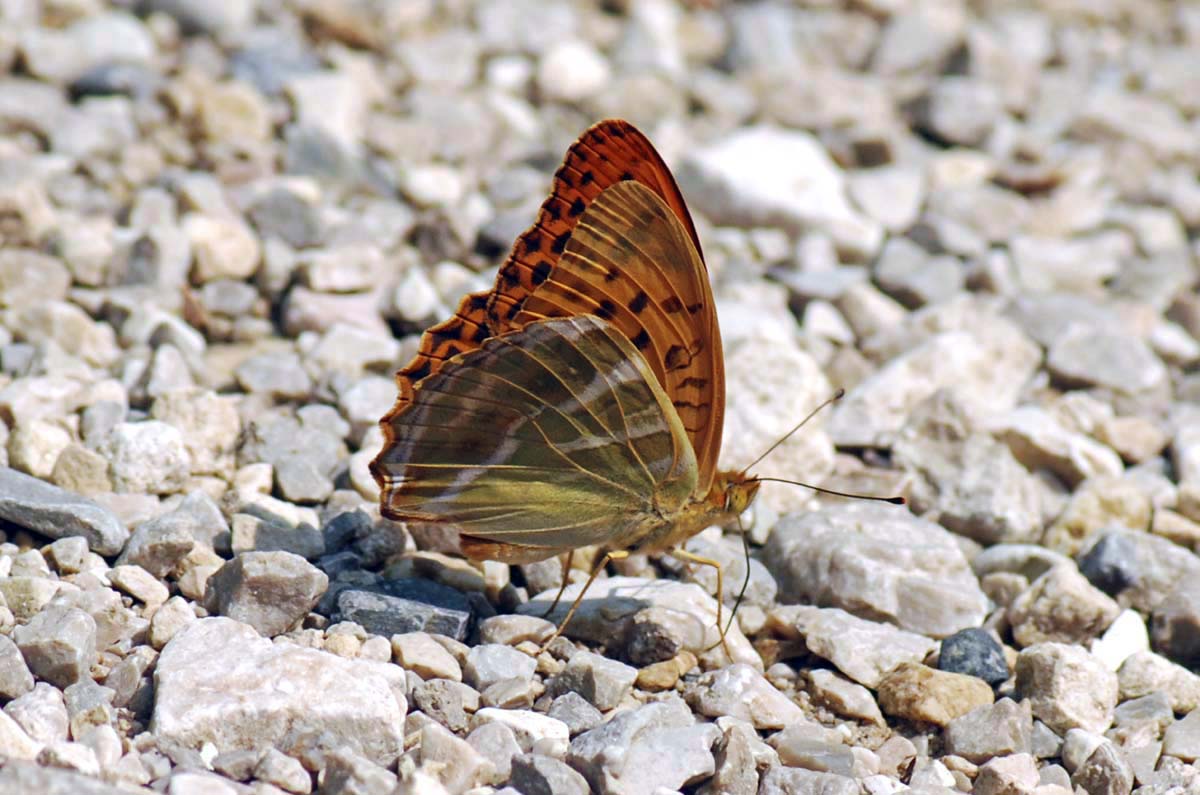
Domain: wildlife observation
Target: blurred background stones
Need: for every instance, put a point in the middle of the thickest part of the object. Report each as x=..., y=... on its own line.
x=224, y=225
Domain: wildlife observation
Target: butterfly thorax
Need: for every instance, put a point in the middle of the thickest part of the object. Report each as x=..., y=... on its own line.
x=729, y=495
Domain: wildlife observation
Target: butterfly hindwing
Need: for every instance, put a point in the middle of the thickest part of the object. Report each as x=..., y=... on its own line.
x=631, y=262
x=551, y=437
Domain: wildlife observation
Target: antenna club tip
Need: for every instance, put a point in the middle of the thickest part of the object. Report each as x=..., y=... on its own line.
x=839, y=394
x=897, y=501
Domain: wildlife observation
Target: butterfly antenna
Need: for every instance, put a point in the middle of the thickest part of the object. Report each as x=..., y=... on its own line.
x=838, y=395
x=746, y=581
x=871, y=497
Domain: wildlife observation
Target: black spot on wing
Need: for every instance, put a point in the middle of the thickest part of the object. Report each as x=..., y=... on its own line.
x=541, y=272
x=639, y=302
x=560, y=243
x=641, y=341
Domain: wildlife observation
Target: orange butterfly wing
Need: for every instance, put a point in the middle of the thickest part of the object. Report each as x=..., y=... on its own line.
x=631, y=262
x=607, y=153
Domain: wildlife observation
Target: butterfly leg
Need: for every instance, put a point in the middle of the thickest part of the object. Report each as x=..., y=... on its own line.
x=684, y=555
x=616, y=554
x=566, y=569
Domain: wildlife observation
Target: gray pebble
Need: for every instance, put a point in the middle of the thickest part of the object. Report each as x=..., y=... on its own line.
x=990, y=731
x=601, y=681
x=271, y=591
x=575, y=711
x=15, y=678
x=408, y=606
x=59, y=644
x=32, y=503
x=536, y=774
x=490, y=663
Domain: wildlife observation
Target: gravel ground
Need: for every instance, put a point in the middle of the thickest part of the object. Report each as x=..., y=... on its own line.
x=224, y=225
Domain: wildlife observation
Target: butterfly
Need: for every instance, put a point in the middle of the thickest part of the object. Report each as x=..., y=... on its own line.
x=580, y=401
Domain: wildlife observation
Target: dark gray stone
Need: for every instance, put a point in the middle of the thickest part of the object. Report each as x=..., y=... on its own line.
x=34, y=504
x=603, y=682
x=974, y=652
x=1175, y=624
x=410, y=605
x=1111, y=563
x=535, y=774
x=575, y=711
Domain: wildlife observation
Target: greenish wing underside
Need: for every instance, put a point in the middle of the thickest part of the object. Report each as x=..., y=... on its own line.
x=555, y=436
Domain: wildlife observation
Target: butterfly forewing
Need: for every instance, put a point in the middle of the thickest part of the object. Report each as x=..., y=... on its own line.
x=551, y=437
x=631, y=262
x=608, y=152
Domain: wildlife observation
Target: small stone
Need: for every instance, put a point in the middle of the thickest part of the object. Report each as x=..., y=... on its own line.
x=278, y=375
x=35, y=446
x=271, y=591
x=462, y=767
x=657, y=745
x=509, y=630
x=917, y=692
x=175, y=614
x=575, y=711
x=1104, y=773
x=740, y=181
x=447, y=702
x=70, y=756
x=571, y=71
x=1099, y=358
x=223, y=247
x=974, y=652
x=1006, y=775
x=960, y=110
x=147, y=456
x=81, y=470
x=535, y=733
x=742, y=692
x=1124, y=637
x=536, y=774
x=995, y=730
x=250, y=533
x=1182, y=738
x=409, y=606
x=601, y=681
x=1061, y=606
x=778, y=778
x=58, y=644
x=420, y=653
x=41, y=713
x=490, y=663
x=843, y=696
x=15, y=678
x=348, y=772
x=283, y=771
x=496, y=743
x=1175, y=624
x=89, y=705
x=139, y=583
x=1110, y=564
x=1067, y=687
x=1040, y=441
x=1144, y=673
x=863, y=650
x=28, y=502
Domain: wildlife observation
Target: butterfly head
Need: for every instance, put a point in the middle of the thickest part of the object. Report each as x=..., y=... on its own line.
x=735, y=491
